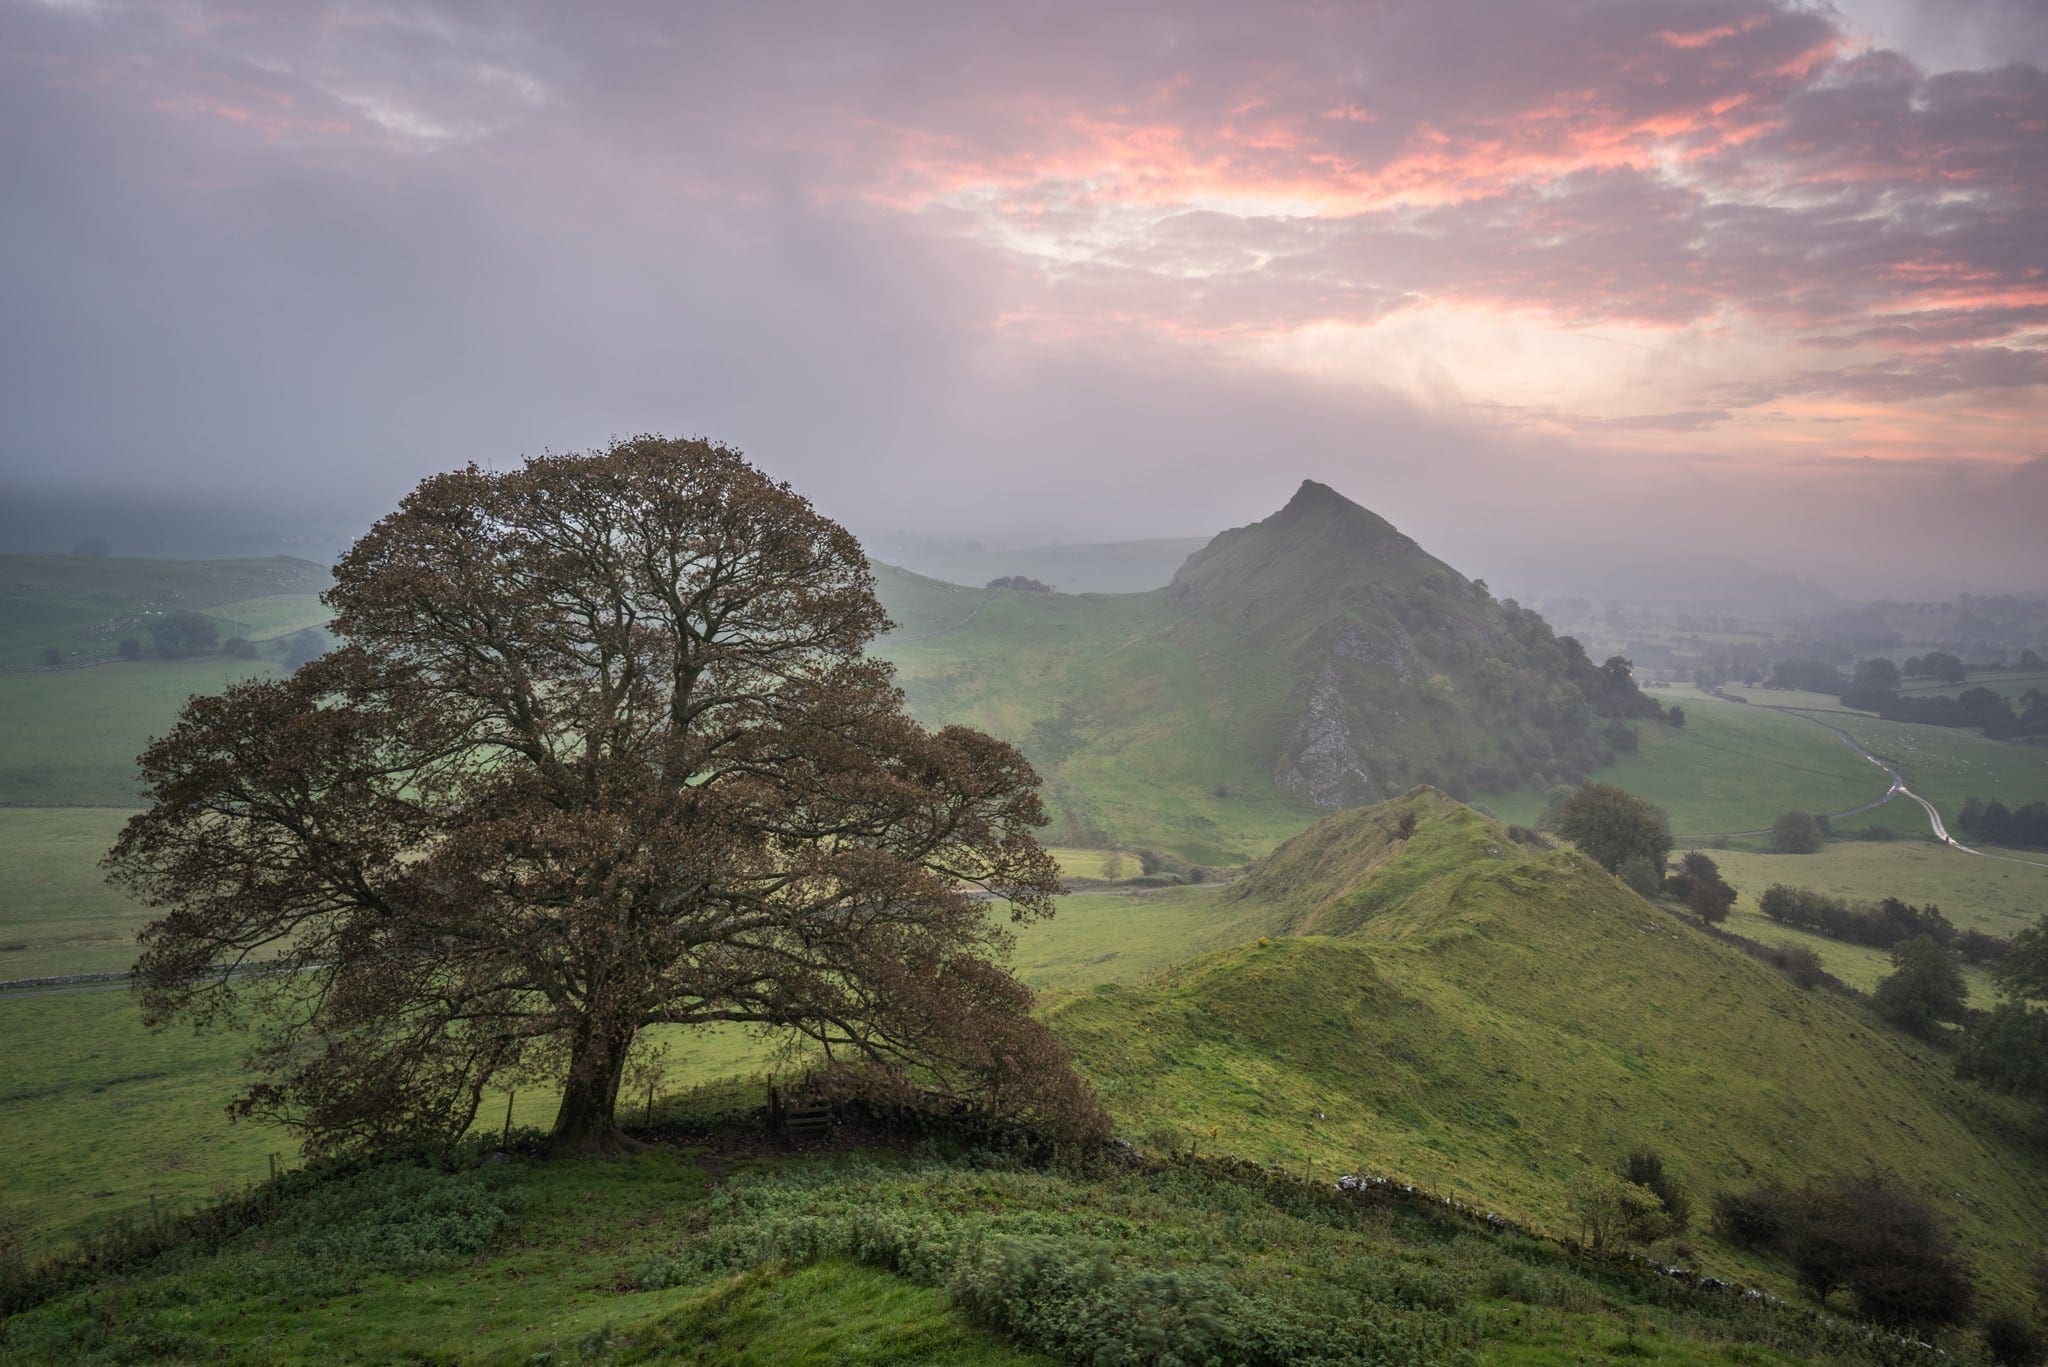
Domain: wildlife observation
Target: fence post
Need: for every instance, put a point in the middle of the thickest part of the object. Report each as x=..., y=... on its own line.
x=650, y=1104
x=506, y=1137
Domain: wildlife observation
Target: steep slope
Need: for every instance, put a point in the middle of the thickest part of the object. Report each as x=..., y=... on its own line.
x=1401, y=669
x=1470, y=1014
x=1311, y=660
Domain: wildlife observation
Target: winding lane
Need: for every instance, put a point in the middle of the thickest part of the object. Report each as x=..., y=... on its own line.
x=1898, y=783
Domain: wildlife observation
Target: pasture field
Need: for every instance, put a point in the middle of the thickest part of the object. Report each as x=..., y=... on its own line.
x=100, y=1113
x=1152, y=757
x=1988, y=894
x=1731, y=768
x=1860, y=966
x=57, y=913
x=82, y=606
x=2012, y=684
x=70, y=737
x=270, y=617
x=1945, y=764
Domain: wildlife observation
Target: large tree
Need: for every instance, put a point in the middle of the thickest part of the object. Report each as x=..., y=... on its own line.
x=600, y=749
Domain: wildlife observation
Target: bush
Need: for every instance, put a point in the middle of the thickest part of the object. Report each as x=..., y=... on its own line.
x=1925, y=986
x=1755, y=1218
x=1612, y=1211
x=1802, y=966
x=1645, y=1168
x=1795, y=833
x=1613, y=826
x=1882, y=1243
x=2011, y=1340
x=1640, y=874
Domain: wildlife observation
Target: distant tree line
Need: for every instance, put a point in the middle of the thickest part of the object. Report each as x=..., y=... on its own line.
x=1995, y=824
x=1019, y=583
x=1880, y=925
x=1875, y=685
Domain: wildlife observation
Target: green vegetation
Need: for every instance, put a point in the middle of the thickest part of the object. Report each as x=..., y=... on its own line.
x=878, y=1258
x=1985, y=894
x=1496, y=1020
x=1732, y=768
x=70, y=737
x=58, y=915
x=82, y=606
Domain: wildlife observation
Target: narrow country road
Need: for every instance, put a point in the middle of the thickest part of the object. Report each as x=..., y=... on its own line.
x=1898, y=783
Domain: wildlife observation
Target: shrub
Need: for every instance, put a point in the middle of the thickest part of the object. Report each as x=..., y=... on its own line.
x=1645, y=1168
x=1868, y=1234
x=1925, y=986
x=1755, y=1218
x=1795, y=833
x=2011, y=1340
x=1612, y=1211
x=1640, y=874
x=1802, y=966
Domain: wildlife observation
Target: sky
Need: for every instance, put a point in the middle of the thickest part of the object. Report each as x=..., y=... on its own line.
x=1756, y=277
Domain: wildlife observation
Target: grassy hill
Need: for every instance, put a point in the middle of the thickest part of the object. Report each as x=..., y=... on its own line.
x=1472, y=1014
x=710, y=1252
x=81, y=606
x=1311, y=659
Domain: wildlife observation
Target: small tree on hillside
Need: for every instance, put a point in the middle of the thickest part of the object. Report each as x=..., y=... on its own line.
x=601, y=750
x=1925, y=986
x=1698, y=883
x=1795, y=833
x=2007, y=1047
x=1613, y=826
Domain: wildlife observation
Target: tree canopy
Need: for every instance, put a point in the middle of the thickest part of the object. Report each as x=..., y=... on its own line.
x=1614, y=826
x=599, y=750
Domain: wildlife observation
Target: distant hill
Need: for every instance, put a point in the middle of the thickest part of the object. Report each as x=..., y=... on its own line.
x=1311, y=660
x=1095, y=567
x=1485, y=1018
x=80, y=606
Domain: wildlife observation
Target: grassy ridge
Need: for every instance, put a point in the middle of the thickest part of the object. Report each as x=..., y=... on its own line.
x=1516, y=1019
x=877, y=1258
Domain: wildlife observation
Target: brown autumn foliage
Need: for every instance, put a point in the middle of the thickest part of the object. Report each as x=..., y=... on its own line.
x=600, y=750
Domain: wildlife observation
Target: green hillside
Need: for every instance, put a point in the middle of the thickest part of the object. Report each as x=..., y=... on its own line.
x=1310, y=660
x=1477, y=1016
x=81, y=606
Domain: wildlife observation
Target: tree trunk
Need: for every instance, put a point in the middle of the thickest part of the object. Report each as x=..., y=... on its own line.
x=587, y=1121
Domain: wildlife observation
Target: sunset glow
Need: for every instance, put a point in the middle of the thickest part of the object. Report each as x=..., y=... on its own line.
x=1737, y=233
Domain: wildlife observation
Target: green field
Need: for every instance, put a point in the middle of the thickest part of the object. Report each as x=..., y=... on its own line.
x=81, y=607
x=2012, y=684
x=1732, y=768
x=57, y=913
x=1945, y=764
x=70, y=737
x=1988, y=894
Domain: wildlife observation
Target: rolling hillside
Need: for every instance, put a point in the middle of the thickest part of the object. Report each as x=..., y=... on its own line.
x=1473, y=1015
x=1307, y=661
